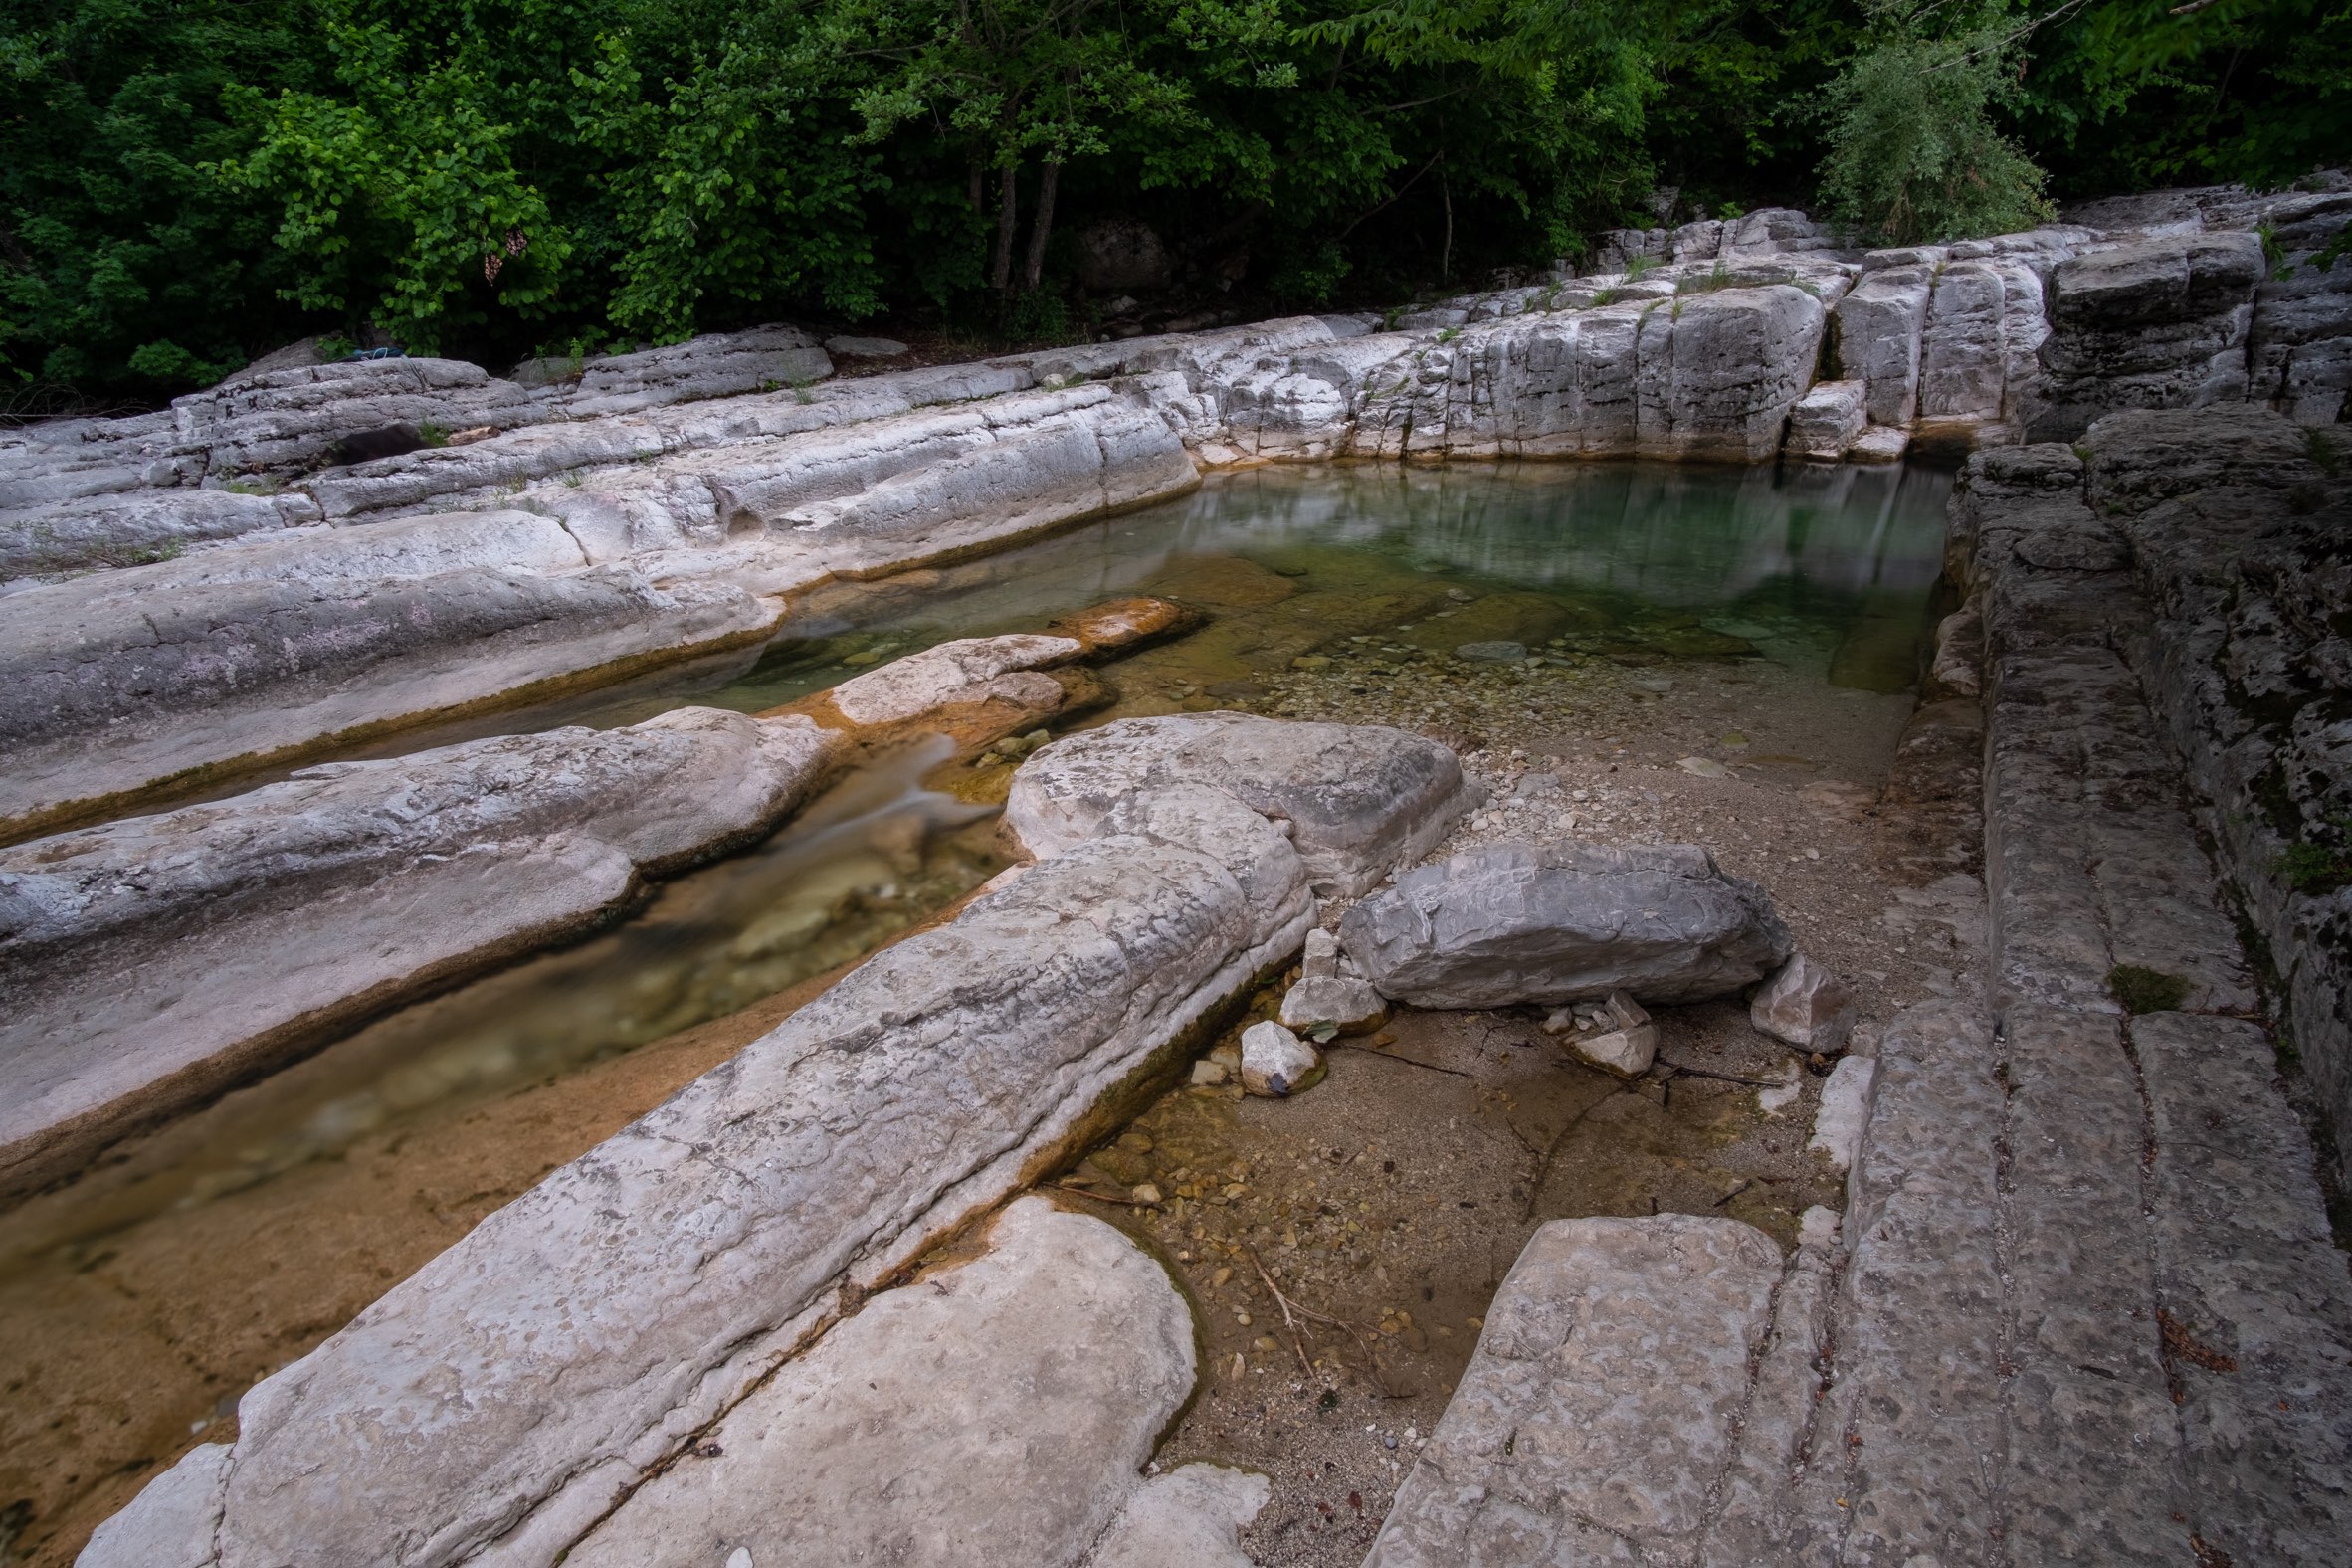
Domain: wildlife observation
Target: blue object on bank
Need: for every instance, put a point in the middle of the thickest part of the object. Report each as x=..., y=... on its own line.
x=379, y=353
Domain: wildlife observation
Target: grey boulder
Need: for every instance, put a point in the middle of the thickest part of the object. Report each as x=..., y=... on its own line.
x=1514, y=922
x=1354, y=800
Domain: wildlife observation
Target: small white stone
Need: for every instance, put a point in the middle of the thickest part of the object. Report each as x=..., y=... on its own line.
x=1844, y=1110
x=1320, y=961
x=740, y=1557
x=1275, y=1061
x=1788, y=1081
x=1207, y=1073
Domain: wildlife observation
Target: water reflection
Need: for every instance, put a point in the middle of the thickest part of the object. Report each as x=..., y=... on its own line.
x=1809, y=550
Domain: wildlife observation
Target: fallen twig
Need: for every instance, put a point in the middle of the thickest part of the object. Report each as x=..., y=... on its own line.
x=1075, y=1190
x=1720, y=1077
x=1735, y=1192
x=1353, y=1332
x=1342, y=1044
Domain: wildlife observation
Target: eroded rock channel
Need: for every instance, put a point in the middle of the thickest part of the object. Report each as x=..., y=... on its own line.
x=885, y=972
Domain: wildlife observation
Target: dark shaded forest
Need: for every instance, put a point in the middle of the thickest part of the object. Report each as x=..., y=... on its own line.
x=185, y=184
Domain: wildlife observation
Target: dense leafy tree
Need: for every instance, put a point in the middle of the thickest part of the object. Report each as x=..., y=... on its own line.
x=185, y=183
x=1914, y=153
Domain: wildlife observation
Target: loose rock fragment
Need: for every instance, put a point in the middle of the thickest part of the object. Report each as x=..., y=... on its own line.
x=1275, y=1063
x=1350, y=1004
x=1630, y=1048
x=1805, y=1005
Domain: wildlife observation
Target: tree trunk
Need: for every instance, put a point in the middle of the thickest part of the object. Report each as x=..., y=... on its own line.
x=1445, y=257
x=977, y=194
x=1008, y=215
x=1041, y=226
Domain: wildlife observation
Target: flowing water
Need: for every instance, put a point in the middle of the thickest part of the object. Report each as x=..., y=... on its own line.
x=136, y=1303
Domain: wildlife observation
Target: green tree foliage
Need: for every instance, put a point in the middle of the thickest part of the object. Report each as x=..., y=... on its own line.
x=1914, y=150
x=186, y=183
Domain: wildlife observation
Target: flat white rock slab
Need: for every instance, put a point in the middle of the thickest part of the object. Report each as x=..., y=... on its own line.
x=1601, y=1401
x=997, y=1412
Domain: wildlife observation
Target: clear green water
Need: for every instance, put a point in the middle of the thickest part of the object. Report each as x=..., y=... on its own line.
x=1835, y=555
x=1836, y=561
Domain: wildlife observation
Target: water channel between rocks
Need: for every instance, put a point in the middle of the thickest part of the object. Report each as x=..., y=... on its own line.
x=1717, y=655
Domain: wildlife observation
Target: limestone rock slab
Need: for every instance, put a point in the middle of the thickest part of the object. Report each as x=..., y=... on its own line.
x=1356, y=801
x=1511, y=923
x=518, y=1384
x=112, y=683
x=962, y=670
x=145, y=963
x=1602, y=1402
x=1187, y=1518
x=998, y=1411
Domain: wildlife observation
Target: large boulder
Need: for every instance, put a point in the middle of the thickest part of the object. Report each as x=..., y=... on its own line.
x=1513, y=922
x=2155, y=324
x=1356, y=801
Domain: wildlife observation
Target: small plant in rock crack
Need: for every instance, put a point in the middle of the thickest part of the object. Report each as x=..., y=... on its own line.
x=2317, y=869
x=1718, y=279
x=2146, y=990
x=2323, y=451
x=432, y=435
x=1636, y=265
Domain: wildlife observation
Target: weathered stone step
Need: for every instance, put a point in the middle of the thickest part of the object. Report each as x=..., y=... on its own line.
x=149, y=963
x=1602, y=1405
x=996, y=1410
x=523, y=1382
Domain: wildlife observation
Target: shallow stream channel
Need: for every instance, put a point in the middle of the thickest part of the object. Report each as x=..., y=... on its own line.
x=1624, y=653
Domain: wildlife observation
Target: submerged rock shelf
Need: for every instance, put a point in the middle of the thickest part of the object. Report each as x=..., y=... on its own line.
x=2059, y=1090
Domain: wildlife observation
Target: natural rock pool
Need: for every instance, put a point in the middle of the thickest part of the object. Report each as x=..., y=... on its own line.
x=1711, y=655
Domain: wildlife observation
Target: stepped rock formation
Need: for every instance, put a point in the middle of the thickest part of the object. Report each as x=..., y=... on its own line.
x=2081, y=1305
x=674, y=501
